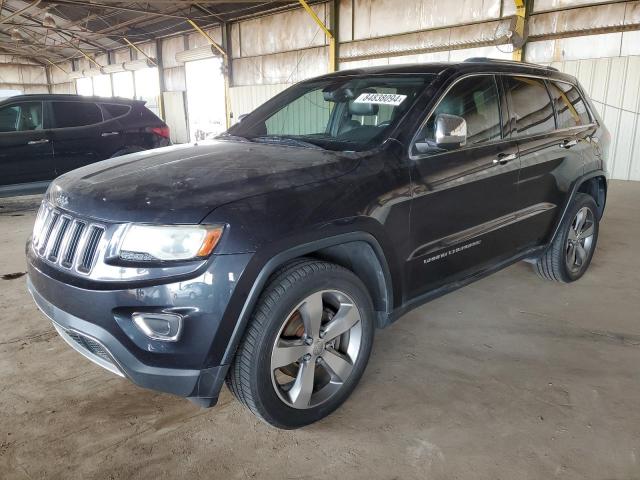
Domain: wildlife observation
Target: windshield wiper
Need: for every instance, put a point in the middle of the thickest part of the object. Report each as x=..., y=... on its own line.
x=277, y=139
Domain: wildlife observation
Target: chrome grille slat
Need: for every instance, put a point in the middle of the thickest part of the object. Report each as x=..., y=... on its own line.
x=52, y=221
x=90, y=248
x=72, y=245
x=62, y=239
x=59, y=237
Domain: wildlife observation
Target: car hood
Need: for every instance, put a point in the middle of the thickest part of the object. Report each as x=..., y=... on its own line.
x=183, y=183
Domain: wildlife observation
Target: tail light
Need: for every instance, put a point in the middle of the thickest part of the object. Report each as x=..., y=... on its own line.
x=161, y=131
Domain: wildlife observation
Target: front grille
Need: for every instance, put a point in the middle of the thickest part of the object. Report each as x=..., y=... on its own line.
x=65, y=240
x=90, y=345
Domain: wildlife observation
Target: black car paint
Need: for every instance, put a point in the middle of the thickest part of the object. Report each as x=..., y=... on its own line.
x=394, y=210
x=38, y=156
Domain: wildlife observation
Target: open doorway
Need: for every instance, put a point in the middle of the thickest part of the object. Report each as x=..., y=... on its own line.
x=205, y=98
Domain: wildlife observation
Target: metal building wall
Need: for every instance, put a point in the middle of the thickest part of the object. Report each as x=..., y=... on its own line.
x=614, y=86
x=18, y=73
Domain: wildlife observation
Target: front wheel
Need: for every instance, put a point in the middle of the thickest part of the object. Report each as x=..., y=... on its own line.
x=306, y=346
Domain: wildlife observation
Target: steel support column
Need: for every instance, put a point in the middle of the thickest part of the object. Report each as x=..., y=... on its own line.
x=521, y=18
x=330, y=35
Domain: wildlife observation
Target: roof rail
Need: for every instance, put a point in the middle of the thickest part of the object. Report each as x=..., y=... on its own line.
x=509, y=62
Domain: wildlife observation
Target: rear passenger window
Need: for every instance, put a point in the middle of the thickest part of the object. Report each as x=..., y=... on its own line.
x=531, y=110
x=75, y=114
x=115, y=111
x=570, y=107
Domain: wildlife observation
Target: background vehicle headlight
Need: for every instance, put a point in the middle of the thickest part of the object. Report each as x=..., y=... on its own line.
x=149, y=243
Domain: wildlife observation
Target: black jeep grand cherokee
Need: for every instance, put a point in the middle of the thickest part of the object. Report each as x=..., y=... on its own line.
x=268, y=257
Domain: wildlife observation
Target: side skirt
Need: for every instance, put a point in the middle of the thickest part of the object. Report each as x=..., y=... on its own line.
x=455, y=285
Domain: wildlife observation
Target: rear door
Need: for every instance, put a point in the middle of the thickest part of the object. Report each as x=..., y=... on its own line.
x=465, y=197
x=550, y=157
x=77, y=134
x=26, y=153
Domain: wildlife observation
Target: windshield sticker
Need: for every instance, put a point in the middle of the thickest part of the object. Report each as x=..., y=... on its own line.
x=381, y=98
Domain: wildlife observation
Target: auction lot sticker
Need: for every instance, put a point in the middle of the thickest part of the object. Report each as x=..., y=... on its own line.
x=381, y=98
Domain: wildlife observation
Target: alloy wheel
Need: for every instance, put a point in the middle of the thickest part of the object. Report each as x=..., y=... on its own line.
x=580, y=239
x=316, y=349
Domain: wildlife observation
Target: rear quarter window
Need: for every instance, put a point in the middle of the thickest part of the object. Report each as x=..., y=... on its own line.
x=114, y=111
x=570, y=107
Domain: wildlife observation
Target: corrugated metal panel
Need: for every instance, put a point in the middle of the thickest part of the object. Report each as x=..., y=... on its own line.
x=574, y=48
x=376, y=18
x=542, y=5
x=614, y=87
x=246, y=99
x=286, y=67
x=282, y=32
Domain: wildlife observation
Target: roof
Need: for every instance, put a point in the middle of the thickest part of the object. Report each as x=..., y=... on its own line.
x=82, y=98
x=98, y=27
x=471, y=65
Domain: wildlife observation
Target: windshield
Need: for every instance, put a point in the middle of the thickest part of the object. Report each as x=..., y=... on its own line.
x=348, y=113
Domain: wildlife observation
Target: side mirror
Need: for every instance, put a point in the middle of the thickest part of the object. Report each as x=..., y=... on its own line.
x=242, y=117
x=451, y=131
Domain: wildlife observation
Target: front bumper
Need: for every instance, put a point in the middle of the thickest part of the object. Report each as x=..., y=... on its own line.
x=102, y=348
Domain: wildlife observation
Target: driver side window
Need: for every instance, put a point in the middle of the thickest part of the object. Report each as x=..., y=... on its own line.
x=474, y=100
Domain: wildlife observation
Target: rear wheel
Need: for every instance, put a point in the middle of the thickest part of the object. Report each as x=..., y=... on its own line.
x=306, y=346
x=570, y=254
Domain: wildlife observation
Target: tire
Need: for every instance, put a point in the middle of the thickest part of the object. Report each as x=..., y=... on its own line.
x=126, y=151
x=304, y=305
x=563, y=261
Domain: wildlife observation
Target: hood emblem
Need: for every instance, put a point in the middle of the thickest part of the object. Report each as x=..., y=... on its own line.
x=61, y=199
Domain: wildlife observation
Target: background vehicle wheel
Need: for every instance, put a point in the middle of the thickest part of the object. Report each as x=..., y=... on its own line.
x=569, y=256
x=306, y=345
x=127, y=150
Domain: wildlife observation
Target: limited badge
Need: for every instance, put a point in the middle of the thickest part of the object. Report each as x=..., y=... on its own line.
x=381, y=98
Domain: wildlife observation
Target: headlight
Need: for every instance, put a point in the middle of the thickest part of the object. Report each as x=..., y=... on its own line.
x=148, y=243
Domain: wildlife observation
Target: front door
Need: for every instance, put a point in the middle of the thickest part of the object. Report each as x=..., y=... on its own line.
x=465, y=196
x=26, y=155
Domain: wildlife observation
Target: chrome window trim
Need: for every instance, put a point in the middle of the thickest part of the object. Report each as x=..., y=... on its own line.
x=413, y=156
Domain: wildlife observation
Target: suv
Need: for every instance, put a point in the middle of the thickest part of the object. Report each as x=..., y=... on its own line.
x=328, y=212
x=43, y=136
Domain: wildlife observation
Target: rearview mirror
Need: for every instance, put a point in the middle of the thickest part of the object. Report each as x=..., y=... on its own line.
x=451, y=131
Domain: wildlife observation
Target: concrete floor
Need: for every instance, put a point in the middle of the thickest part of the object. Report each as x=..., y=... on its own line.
x=509, y=378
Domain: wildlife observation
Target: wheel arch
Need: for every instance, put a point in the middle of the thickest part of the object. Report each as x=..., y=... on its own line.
x=593, y=184
x=359, y=252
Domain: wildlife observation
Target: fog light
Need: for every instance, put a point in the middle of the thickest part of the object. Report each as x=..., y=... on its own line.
x=165, y=327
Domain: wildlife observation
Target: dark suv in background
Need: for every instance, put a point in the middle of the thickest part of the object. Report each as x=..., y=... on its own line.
x=268, y=257
x=43, y=136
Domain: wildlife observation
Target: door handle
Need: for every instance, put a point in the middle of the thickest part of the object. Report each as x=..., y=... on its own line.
x=569, y=143
x=504, y=158
x=109, y=134
x=36, y=142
